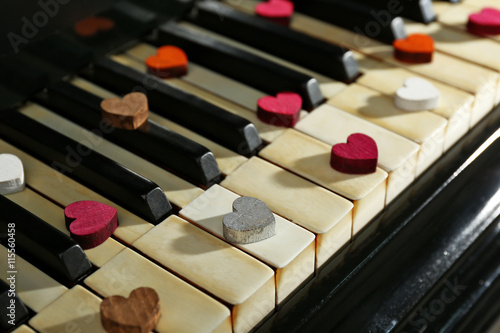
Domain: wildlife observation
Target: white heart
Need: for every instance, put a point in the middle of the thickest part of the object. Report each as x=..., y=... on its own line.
x=416, y=95
x=11, y=174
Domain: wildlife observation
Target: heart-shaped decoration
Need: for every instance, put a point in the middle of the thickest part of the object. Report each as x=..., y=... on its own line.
x=90, y=223
x=11, y=174
x=277, y=11
x=169, y=61
x=128, y=113
x=486, y=22
x=92, y=25
x=250, y=222
x=415, y=49
x=137, y=314
x=282, y=110
x=416, y=95
x=358, y=156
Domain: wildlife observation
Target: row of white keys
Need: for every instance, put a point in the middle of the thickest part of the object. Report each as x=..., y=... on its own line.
x=54, y=215
x=455, y=105
x=425, y=128
x=64, y=191
x=227, y=160
x=184, y=308
x=310, y=158
x=477, y=80
x=239, y=280
x=396, y=155
x=291, y=252
x=314, y=208
x=177, y=190
x=216, y=89
x=35, y=288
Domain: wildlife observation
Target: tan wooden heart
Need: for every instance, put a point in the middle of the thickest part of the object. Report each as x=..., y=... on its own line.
x=137, y=314
x=129, y=112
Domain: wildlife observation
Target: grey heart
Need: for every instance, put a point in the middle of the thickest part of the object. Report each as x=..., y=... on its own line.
x=251, y=221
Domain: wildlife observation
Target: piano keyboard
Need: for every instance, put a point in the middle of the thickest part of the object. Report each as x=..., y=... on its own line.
x=205, y=146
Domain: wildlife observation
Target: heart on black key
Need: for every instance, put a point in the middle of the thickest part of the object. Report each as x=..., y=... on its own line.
x=251, y=221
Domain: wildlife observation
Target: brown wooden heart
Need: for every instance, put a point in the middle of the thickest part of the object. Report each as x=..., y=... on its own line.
x=137, y=314
x=129, y=112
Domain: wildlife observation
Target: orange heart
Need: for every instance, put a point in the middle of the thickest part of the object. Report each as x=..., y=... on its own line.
x=138, y=313
x=416, y=49
x=169, y=61
x=92, y=25
x=128, y=113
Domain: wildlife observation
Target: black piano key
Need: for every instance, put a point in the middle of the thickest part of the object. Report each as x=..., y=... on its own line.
x=119, y=184
x=152, y=141
x=41, y=244
x=325, y=58
x=417, y=10
x=13, y=312
x=243, y=66
x=354, y=17
x=219, y=125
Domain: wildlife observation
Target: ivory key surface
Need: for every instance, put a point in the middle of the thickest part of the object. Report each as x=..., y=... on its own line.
x=397, y=155
x=310, y=158
x=290, y=252
x=35, y=288
x=184, y=308
x=316, y=209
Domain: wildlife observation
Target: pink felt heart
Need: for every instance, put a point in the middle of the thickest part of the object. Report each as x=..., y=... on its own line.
x=278, y=11
x=486, y=22
x=358, y=156
x=282, y=110
x=90, y=223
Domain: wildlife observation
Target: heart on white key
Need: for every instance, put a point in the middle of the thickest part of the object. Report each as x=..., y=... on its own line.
x=11, y=174
x=417, y=95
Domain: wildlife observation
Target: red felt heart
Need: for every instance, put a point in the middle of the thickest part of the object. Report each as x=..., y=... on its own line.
x=358, y=156
x=278, y=11
x=282, y=110
x=90, y=223
x=486, y=22
x=92, y=25
x=169, y=61
x=416, y=49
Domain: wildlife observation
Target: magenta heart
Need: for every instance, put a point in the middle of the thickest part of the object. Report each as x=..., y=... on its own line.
x=358, y=156
x=282, y=110
x=277, y=11
x=275, y=8
x=90, y=223
x=486, y=22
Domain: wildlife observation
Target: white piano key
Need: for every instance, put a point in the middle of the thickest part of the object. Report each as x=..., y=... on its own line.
x=316, y=209
x=310, y=158
x=35, y=288
x=290, y=252
x=184, y=308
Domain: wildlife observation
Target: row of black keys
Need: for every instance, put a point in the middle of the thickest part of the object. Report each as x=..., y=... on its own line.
x=50, y=249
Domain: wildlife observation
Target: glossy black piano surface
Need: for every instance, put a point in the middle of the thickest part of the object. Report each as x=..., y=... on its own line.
x=428, y=263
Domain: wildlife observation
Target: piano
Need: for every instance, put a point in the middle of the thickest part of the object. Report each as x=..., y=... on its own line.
x=412, y=247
